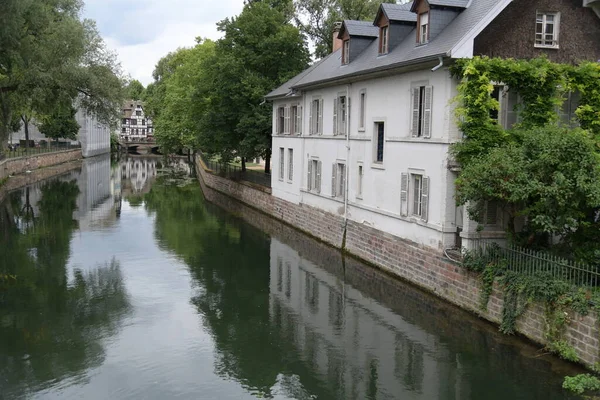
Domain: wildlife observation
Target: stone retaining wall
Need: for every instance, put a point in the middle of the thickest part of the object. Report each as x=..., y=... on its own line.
x=19, y=165
x=420, y=265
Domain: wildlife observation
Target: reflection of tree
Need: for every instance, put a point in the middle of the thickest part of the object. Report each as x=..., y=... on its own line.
x=229, y=260
x=51, y=329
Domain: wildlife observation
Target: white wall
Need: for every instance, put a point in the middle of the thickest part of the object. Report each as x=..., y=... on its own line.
x=94, y=136
x=388, y=100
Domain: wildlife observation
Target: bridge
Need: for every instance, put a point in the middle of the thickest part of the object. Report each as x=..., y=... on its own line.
x=140, y=147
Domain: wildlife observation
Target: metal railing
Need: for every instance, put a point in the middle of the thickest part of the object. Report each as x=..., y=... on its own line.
x=531, y=262
x=31, y=151
x=235, y=173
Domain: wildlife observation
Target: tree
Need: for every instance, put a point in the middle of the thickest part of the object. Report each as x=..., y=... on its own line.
x=259, y=52
x=316, y=18
x=49, y=55
x=551, y=178
x=60, y=124
x=175, y=124
x=135, y=90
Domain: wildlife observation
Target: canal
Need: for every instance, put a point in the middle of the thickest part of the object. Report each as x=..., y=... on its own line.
x=121, y=281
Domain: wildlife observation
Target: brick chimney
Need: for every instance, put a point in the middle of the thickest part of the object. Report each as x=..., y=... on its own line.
x=337, y=43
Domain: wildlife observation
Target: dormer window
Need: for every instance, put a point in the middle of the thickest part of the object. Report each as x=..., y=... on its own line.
x=383, y=39
x=346, y=52
x=423, y=28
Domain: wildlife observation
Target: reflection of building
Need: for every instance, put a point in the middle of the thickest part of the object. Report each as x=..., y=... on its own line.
x=95, y=203
x=135, y=125
x=137, y=175
x=352, y=341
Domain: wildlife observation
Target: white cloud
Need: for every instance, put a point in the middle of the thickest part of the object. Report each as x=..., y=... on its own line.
x=145, y=30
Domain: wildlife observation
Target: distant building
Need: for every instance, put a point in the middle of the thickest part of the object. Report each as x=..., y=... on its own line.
x=135, y=125
x=93, y=136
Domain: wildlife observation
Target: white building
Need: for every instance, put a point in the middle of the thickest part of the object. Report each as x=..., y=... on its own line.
x=135, y=125
x=365, y=132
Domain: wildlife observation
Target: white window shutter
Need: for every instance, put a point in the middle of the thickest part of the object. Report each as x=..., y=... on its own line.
x=286, y=119
x=318, y=177
x=427, y=111
x=299, y=116
x=425, y=199
x=335, y=115
x=404, y=194
x=333, y=180
x=310, y=172
x=320, y=130
x=347, y=122
x=415, y=101
x=311, y=129
x=343, y=179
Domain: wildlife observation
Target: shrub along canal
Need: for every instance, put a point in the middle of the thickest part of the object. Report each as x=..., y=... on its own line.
x=118, y=282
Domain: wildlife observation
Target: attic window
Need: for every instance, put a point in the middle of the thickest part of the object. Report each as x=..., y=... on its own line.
x=383, y=40
x=346, y=52
x=546, y=30
x=423, y=28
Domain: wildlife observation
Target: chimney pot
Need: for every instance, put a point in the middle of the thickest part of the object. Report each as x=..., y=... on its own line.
x=337, y=43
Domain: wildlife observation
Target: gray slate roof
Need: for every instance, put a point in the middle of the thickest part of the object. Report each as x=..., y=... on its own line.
x=399, y=12
x=406, y=52
x=361, y=28
x=450, y=3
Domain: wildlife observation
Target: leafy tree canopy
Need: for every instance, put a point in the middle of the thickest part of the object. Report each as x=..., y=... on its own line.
x=134, y=90
x=60, y=124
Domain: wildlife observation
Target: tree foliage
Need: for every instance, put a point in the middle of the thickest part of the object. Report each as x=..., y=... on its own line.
x=316, y=18
x=259, y=52
x=48, y=54
x=134, y=90
x=60, y=124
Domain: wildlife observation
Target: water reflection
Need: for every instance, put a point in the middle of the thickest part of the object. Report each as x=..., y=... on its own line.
x=53, y=321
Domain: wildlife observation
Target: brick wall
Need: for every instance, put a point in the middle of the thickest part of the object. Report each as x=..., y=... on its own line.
x=420, y=265
x=15, y=166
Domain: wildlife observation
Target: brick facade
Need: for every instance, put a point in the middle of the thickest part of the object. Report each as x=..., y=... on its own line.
x=15, y=166
x=420, y=265
x=512, y=33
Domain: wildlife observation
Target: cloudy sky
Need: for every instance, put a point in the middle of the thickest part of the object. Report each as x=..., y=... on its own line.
x=142, y=31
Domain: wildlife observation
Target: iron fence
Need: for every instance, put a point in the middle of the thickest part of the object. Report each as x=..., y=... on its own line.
x=235, y=172
x=48, y=148
x=532, y=262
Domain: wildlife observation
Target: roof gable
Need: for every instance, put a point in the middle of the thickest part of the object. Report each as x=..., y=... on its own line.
x=358, y=28
x=396, y=12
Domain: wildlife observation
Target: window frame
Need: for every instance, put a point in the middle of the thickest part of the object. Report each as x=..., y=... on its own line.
x=544, y=23
x=416, y=195
x=290, y=174
x=338, y=180
x=281, y=163
x=384, y=39
x=378, y=143
x=423, y=33
x=346, y=52
x=280, y=120
x=362, y=110
x=421, y=118
x=316, y=121
x=360, y=180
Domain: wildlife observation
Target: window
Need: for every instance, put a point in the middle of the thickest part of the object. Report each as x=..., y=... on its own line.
x=290, y=165
x=339, y=115
x=489, y=213
x=360, y=182
x=133, y=121
x=138, y=113
x=281, y=163
x=362, y=110
x=143, y=131
x=383, y=40
x=422, y=97
x=414, y=195
x=316, y=117
x=143, y=122
x=314, y=176
x=379, y=142
x=124, y=130
x=546, y=30
x=125, y=121
x=296, y=120
x=497, y=95
x=423, y=28
x=280, y=120
x=567, y=111
x=346, y=52
x=338, y=180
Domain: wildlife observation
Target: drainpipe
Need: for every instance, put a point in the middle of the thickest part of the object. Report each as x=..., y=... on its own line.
x=348, y=105
x=440, y=65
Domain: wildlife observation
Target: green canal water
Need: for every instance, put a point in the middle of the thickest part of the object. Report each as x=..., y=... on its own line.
x=118, y=282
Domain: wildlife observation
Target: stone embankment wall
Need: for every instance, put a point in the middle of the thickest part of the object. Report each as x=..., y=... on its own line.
x=420, y=265
x=19, y=165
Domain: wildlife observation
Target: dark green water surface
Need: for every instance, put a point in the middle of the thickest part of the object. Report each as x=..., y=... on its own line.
x=118, y=284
